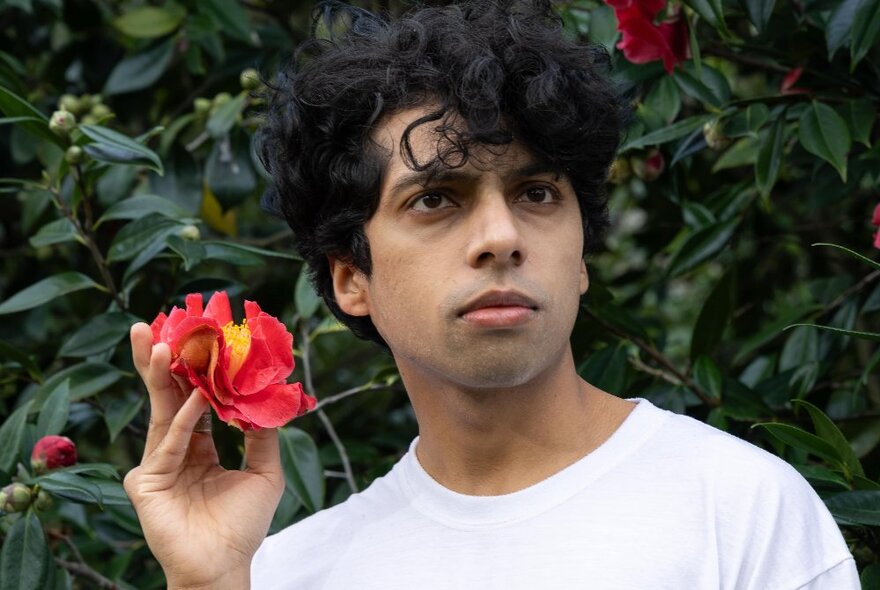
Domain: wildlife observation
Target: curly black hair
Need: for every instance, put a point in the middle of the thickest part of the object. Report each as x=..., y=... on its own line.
x=504, y=67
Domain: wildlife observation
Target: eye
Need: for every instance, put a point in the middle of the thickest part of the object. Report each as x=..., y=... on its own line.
x=539, y=194
x=431, y=202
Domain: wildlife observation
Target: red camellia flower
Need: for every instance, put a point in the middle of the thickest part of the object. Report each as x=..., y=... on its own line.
x=52, y=452
x=240, y=368
x=644, y=41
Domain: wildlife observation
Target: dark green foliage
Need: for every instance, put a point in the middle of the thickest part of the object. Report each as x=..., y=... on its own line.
x=738, y=284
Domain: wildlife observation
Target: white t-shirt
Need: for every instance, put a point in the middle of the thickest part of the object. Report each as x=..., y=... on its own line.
x=665, y=502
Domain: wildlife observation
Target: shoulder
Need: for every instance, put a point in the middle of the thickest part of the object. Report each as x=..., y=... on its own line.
x=301, y=555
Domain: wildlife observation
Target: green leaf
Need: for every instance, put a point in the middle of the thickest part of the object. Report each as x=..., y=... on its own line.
x=709, y=86
x=46, y=290
x=859, y=115
x=801, y=346
x=229, y=171
x=823, y=475
x=861, y=507
x=770, y=156
x=743, y=152
x=192, y=252
x=71, y=487
x=132, y=239
x=225, y=116
x=56, y=232
x=86, y=379
x=714, y=316
x=700, y=246
x=759, y=12
x=119, y=411
x=824, y=133
x=115, y=148
x=105, y=470
x=302, y=467
x=665, y=99
x=710, y=11
x=747, y=122
x=13, y=105
x=22, y=358
x=139, y=71
x=101, y=333
x=230, y=17
x=140, y=206
x=11, y=435
x=865, y=30
x=708, y=377
x=112, y=493
x=667, y=134
x=828, y=431
x=803, y=440
x=862, y=335
x=839, y=26
x=53, y=416
x=305, y=296
x=149, y=22
x=607, y=368
x=232, y=252
x=852, y=253
x=25, y=557
x=870, y=577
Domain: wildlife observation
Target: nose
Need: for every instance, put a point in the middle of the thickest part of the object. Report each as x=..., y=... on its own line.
x=496, y=237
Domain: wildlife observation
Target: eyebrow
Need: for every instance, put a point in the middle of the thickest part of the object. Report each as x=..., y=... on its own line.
x=437, y=173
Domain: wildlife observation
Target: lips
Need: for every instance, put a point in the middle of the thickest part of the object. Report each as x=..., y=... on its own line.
x=499, y=310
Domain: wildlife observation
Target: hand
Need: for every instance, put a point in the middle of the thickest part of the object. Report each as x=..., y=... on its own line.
x=202, y=522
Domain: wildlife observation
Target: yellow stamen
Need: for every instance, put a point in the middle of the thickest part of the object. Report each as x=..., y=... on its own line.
x=238, y=340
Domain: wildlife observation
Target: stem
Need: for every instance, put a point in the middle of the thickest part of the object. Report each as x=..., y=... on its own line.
x=659, y=358
x=88, y=238
x=84, y=571
x=344, y=394
x=328, y=425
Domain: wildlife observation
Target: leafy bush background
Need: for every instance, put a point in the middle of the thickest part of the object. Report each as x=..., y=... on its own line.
x=712, y=298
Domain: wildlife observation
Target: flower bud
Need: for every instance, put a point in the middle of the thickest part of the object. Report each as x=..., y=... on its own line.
x=16, y=497
x=100, y=111
x=620, y=171
x=650, y=166
x=249, y=79
x=74, y=155
x=62, y=123
x=221, y=99
x=52, y=452
x=87, y=101
x=201, y=106
x=190, y=232
x=714, y=136
x=43, y=501
x=90, y=119
x=69, y=103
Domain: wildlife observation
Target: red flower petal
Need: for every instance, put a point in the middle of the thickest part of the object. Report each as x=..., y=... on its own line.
x=194, y=304
x=877, y=240
x=270, y=358
x=875, y=219
x=218, y=308
x=275, y=406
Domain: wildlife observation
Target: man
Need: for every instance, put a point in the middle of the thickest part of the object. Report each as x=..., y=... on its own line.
x=443, y=175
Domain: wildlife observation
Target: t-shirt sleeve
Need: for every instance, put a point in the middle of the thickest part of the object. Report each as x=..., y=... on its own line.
x=842, y=576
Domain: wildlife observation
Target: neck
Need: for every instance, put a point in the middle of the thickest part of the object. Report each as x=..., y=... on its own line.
x=496, y=441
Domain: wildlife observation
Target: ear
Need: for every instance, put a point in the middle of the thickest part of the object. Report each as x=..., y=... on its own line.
x=585, y=279
x=350, y=287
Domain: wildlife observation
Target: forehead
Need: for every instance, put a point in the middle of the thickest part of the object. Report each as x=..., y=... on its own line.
x=429, y=139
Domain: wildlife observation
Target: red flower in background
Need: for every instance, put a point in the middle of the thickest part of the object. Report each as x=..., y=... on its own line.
x=875, y=221
x=643, y=41
x=240, y=368
x=789, y=80
x=52, y=452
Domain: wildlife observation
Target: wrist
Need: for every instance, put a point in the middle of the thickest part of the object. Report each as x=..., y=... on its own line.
x=239, y=579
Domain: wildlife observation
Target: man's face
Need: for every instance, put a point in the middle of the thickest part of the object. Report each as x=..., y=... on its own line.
x=477, y=273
